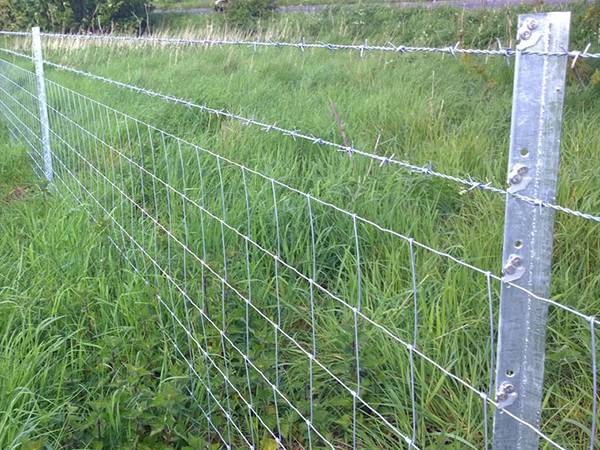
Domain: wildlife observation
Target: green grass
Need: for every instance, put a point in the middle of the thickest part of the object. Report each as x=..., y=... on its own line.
x=83, y=361
x=94, y=369
x=184, y=4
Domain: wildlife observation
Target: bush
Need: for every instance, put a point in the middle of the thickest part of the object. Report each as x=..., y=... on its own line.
x=74, y=15
x=246, y=14
x=586, y=71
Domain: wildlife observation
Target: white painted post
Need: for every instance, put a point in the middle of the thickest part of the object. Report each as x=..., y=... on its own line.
x=38, y=60
x=538, y=95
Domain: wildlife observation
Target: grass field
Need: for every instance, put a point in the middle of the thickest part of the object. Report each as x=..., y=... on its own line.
x=86, y=361
x=187, y=4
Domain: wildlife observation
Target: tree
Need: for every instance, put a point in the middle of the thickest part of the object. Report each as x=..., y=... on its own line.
x=75, y=15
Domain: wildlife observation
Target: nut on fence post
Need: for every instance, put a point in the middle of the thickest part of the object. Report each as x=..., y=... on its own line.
x=538, y=95
x=36, y=43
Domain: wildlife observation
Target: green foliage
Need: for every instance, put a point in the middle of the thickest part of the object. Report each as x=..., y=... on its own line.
x=595, y=80
x=74, y=15
x=6, y=14
x=590, y=22
x=247, y=14
x=587, y=31
x=83, y=360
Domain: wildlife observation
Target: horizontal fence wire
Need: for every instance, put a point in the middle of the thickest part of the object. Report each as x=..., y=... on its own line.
x=255, y=294
x=470, y=184
x=255, y=44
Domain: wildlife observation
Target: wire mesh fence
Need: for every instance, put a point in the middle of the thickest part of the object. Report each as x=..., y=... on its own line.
x=260, y=284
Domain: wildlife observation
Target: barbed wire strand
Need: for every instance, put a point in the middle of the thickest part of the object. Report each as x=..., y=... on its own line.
x=361, y=48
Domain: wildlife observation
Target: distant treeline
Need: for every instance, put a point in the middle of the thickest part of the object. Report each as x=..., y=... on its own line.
x=75, y=15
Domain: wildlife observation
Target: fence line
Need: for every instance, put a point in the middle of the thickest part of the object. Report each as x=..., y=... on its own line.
x=470, y=183
x=409, y=347
x=361, y=48
x=108, y=161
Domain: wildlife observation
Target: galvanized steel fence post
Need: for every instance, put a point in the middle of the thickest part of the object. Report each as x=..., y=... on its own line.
x=38, y=61
x=538, y=95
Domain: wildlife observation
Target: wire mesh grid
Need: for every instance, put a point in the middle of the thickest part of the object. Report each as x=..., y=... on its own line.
x=286, y=287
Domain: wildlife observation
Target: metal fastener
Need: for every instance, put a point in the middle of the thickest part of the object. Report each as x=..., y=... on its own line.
x=506, y=395
x=517, y=178
x=531, y=24
x=524, y=35
x=527, y=28
x=504, y=391
x=517, y=173
x=513, y=269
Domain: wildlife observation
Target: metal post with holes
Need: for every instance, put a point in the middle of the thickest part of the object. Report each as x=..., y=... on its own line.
x=538, y=96
x=38, y=61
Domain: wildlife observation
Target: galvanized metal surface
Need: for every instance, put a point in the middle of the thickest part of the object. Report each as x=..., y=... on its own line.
x=38, y=61
x=533, y=171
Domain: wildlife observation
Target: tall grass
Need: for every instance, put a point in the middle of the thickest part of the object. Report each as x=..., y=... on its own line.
x=187, y=4
x=99, y=372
